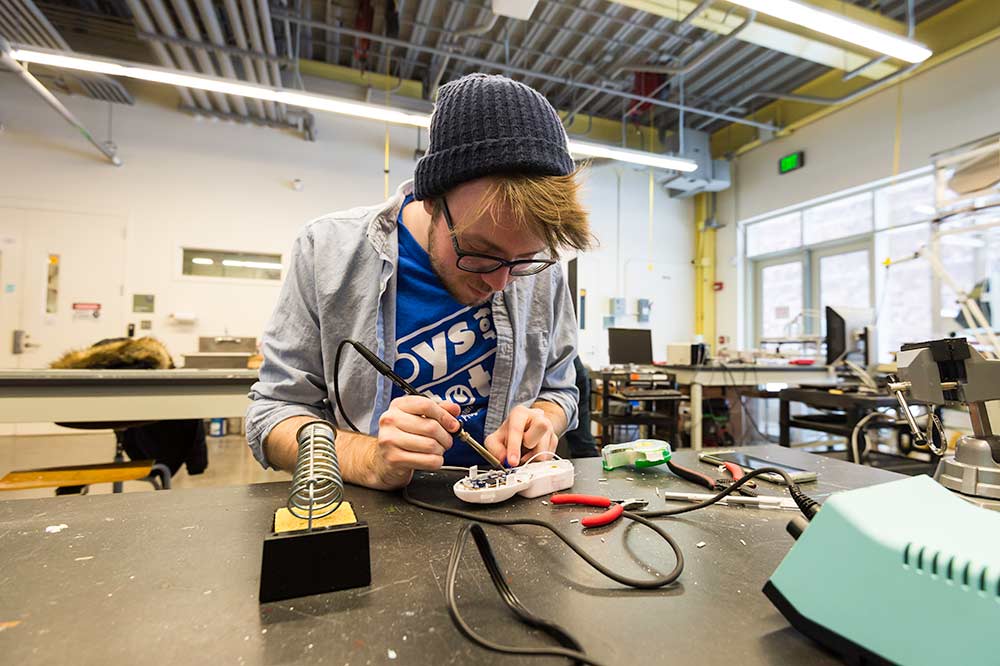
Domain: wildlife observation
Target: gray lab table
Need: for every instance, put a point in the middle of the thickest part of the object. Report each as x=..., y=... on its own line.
x=37, y=396
x=171, y=578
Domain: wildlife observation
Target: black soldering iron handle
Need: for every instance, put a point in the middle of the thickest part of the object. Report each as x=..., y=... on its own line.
x=383, y=367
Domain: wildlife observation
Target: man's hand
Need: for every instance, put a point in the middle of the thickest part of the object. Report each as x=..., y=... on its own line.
x=527, y=431
x=413, y=434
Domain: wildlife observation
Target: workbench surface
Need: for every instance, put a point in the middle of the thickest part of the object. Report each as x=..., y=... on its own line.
x=172, y=577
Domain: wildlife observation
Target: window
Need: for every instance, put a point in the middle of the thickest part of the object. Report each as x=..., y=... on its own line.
x=833, y=251
x=774, y=235
x=849, y=216
x=226, y=264
x=904, y=313
x=781, y=298
x=905, y=203
x=52, y=284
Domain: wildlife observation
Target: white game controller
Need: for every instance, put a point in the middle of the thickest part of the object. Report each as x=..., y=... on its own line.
x=531, y=480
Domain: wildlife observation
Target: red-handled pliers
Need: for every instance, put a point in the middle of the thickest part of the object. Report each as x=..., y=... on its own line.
x=617, y=507
x=735, y=471
x=711, y=483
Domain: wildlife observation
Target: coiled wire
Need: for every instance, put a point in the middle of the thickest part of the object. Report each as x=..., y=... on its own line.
x=317, y=487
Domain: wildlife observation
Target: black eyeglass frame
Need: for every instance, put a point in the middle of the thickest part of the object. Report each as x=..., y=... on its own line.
x=500, y=262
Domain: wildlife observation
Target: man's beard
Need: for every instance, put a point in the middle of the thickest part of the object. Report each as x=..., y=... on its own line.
x=439, y=273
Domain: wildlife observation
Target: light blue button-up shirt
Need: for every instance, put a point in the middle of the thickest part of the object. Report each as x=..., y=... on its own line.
x=341, y=283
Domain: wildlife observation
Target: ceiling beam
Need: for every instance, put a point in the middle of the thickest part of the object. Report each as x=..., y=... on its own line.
x=950, y=33
x=788, y=39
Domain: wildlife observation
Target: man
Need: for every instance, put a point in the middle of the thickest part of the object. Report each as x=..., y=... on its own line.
x=455, y=283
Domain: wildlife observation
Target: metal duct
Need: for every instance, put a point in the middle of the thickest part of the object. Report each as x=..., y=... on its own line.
x=257, y=42
x=270, y=49
x=190, y=27
x=211, y=22
x=166, y=25
x=264, y=109
x=145, y=23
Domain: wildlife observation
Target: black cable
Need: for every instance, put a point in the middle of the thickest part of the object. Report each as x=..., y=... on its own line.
x=618, y=578
x=571, y=647
x=806, y=504
x=336, y=385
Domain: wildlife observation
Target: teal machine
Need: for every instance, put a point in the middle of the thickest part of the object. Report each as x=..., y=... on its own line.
x=908, y=572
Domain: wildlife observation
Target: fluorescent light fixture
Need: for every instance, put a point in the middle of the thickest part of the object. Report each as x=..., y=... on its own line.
x=835, y=25
x=220, y=85
x=202, y=261
x=586, y=149
x=239, y=263
x=307, y=100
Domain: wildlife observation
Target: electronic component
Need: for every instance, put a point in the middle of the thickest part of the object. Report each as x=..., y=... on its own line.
x=640, y=453
x=317, y=543
x=530, y=480
x=878, y=562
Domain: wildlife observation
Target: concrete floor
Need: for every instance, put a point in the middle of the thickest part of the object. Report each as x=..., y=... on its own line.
x=230, y=462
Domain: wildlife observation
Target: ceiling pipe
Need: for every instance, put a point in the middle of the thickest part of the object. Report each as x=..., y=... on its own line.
x=526, y=72
x=190, y=27
x=264, y=11
x=257, y=42
x=452, y=46
x=43, y=92
x=239, y=32
x=706, y=54
x=166, y=25
x=145, y=24
x=910, y=29
x=214, y=30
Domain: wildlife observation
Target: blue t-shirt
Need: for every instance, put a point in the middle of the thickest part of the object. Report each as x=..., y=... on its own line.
x=444, y=349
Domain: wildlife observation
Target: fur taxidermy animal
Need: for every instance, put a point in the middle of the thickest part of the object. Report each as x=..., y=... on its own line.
x=118, y=354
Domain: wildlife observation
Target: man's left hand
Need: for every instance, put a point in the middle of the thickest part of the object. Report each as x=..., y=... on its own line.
x=527, y=431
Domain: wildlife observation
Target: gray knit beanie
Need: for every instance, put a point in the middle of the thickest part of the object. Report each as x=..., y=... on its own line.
x=486, y=124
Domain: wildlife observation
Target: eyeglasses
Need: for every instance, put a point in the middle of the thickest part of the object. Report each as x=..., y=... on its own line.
x=473, y=262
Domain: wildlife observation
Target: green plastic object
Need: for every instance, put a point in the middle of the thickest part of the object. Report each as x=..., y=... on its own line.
x=902, y=573
x=640, y=453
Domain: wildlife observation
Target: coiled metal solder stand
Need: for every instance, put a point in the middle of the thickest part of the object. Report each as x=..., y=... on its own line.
x=317, y=487
x=304, y=559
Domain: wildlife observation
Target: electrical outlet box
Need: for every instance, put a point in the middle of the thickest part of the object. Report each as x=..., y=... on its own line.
x=617, y=306
x=644, y=306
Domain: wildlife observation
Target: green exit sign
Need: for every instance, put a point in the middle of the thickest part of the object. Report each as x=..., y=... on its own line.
x=792, y=162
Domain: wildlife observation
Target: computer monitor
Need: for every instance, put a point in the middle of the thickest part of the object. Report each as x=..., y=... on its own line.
x=630, y=345
x=850, y=335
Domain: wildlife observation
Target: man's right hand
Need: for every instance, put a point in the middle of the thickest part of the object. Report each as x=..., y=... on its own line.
x=413, y=434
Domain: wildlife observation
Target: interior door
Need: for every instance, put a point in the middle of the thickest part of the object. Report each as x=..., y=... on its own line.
x=65, y=281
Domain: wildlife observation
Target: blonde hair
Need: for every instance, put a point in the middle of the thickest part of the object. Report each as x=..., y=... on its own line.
x=547, y=206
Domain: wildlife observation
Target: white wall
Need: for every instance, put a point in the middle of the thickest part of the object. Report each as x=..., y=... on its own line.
x=222, y=185
x=951, y=104
x=636, y=262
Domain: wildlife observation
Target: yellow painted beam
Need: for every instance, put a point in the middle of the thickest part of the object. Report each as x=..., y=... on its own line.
x=704, y=273
x=407, y=87
x=602, y=130
x=956, y=30
x=779, y=36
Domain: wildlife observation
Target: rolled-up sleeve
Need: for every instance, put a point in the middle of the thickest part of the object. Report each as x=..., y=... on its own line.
x=291, y=381
x=559, y=383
